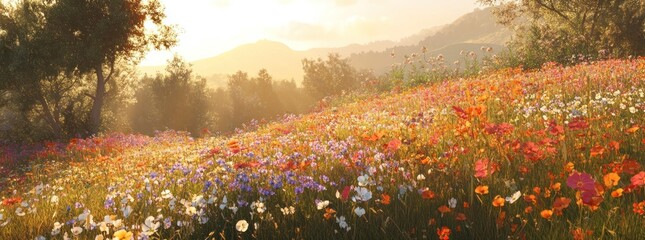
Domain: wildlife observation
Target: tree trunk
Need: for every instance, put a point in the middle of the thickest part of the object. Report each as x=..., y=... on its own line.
x=53, y=122
x=97, y=105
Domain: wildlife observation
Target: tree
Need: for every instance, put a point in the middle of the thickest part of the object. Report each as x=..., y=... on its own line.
x=94, y=34
x=270, y=104
x=42, y=40
x=176, y=100
x=327, y=78
x=559, y=29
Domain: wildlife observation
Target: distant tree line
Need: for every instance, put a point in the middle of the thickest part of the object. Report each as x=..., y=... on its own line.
x=66, y=70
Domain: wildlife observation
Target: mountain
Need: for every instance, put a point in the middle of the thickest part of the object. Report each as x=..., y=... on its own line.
x=467, y=33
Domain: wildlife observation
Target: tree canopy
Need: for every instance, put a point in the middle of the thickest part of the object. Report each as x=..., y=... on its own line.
x=41, y=40
x=556, y=30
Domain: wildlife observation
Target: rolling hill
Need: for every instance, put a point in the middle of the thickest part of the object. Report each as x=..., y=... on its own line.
x=458, y=159
x=469, y=33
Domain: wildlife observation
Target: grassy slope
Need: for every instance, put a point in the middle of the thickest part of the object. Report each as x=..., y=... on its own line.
x=419, y=147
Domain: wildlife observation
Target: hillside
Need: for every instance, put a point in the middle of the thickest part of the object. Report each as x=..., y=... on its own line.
x=477, y=28
x=509, y=154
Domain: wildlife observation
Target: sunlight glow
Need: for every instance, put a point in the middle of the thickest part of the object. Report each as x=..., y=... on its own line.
x=208, y=27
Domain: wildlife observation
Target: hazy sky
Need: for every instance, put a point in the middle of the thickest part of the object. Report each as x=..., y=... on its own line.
x=210, y=27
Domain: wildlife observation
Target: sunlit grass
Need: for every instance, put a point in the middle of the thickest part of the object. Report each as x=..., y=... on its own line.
x=555, y=153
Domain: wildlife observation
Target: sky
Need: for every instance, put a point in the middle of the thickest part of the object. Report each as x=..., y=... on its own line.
x=210, y=27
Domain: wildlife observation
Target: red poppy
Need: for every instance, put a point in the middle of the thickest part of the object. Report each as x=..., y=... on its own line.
x=385, y=199
x=11, y=201
x=444, y=233
x=578, y=124
x=428, y=194
x=393, y=145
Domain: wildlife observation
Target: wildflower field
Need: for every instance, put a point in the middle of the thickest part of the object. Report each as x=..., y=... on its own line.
x=555, y=153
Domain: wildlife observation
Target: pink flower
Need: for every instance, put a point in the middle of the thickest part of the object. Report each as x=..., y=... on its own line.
x=581, y=181
x=482, y=168
x=639, y=179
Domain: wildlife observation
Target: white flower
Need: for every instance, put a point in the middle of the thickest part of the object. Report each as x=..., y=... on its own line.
x=201, y=217
x=322, y=204
x=421, y=177
x=191, y=211
x=20, y=212
x=99, y=237
x=452, y=203
x=363, y=180
x=514, y=197
x=150, y=226
x=342, y=223
x=223, y=204
x=39, y=189
x=242, y=225
x=258, y=206
x=362, y=195
x=103, y=227
x=53, y=199
x=41, y=237
x=233, y=208
x=77, y=230
x=117, y=224
x=126, y=211
x=288, y=210
x=166, y=194
x=56, y=229
x=633, y=110
x=359, y=211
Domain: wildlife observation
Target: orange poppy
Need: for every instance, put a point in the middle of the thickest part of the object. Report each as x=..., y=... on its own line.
x=481, y=190
x=632, y=129
x=498, y=201
x=385, y=199
x=530, y=198
x=611, y=179
x=556, y=186
x=329, y=213
x=546, y=214
x=444, y=209
x=617, y=193
x=597, y=151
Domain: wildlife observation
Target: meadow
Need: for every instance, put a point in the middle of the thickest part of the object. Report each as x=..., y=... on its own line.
x=554, y=153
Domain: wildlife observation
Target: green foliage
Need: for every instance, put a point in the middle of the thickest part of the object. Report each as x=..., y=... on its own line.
x=326, y=78
x=570, y=32
x=66, y=40
x=174, y=100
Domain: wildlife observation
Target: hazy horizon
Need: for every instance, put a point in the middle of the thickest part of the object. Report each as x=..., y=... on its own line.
x=208, y=28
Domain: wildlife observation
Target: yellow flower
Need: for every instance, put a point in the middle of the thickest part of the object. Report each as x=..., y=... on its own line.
x=122, y=235
x=611, y=179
